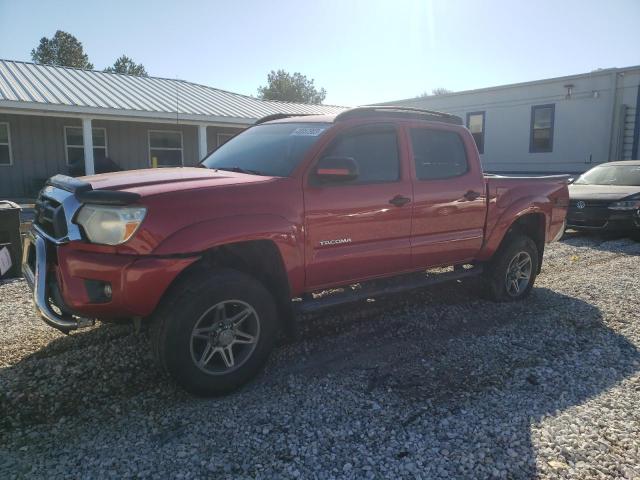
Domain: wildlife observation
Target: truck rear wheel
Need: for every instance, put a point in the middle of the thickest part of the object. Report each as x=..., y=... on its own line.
x=214, y=331
x=512, y=271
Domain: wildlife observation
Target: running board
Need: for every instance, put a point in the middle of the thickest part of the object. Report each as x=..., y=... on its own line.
x=312, y=302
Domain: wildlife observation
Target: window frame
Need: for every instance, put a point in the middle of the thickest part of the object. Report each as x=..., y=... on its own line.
x=10, y=164
x=483, y=113
x=391, y=127
x=412, y=157
x=181, y=149
x=223, y=134
x=532, y=148
x=67, y=146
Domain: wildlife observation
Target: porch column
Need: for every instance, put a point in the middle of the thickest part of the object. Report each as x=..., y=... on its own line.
x=202, y=141
x=87, y=137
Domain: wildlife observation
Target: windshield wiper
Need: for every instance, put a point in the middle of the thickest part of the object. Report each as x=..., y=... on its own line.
x=240, y=170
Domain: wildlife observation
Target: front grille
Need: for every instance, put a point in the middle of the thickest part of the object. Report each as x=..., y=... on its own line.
x=591, y=203
x=50, y=217
x=594, y=214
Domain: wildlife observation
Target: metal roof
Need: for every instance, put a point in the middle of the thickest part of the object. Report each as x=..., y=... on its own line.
x=430, y=98
x=33, y=86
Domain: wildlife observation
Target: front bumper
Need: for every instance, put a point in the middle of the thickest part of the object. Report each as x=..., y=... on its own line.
x=58, y=275
x=63, y=270
x=603, y=219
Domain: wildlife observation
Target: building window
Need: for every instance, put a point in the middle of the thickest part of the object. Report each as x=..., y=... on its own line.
x=74, y=145
x=225, y=137
x=438, y=154
x=5, y=145
x=542, y=120
x=475, y=124
x=165, y=148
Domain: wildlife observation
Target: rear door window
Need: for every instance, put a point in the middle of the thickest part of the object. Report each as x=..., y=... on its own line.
x=438, y=154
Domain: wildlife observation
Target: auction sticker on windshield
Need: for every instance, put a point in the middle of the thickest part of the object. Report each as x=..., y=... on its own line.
x=308, y=131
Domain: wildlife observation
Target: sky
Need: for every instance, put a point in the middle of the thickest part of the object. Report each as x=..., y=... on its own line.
x=360, y=51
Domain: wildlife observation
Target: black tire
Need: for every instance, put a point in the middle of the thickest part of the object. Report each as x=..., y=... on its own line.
x=192, y=301
x=499, y=281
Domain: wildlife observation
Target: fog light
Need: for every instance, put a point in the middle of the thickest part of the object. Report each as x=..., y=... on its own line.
x=98, y=291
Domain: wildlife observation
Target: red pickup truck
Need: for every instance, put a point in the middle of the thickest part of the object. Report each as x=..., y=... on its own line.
x=220, y=259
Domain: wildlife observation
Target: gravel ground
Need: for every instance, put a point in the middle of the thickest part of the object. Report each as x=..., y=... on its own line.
x=435, y=384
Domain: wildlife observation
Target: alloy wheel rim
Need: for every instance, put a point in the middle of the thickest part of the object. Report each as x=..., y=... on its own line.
x=518, y=274
x=224, y=337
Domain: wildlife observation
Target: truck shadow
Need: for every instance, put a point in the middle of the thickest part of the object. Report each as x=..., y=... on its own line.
x=470, y=378
x=477, y=382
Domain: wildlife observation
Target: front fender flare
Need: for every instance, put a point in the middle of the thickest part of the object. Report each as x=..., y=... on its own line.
x=208, y=234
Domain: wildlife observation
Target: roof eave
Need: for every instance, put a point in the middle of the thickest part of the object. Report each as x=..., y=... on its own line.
x=35, y=108
x=594, y=73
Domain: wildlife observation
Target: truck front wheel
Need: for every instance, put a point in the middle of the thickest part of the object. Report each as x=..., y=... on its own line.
x=214, y=331
x=512, y=271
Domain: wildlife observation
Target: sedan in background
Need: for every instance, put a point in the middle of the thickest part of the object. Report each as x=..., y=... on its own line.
x=607, y=197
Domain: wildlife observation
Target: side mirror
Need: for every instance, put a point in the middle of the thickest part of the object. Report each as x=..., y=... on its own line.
x=336, y=169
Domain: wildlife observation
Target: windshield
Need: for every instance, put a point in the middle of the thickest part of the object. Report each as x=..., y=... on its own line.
x=611, y=175
x=270, y=149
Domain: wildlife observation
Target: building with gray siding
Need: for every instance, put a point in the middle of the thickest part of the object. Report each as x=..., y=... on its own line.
x=558, y=125
x=64, y=120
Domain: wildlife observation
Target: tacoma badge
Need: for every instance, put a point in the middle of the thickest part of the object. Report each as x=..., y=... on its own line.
x=337, y=241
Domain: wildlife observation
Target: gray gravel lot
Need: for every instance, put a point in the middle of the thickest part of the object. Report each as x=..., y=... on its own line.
x=435, y=384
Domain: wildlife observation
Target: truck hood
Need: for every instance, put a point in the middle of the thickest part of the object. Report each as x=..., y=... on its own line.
x=153, y=181
x=601, y=192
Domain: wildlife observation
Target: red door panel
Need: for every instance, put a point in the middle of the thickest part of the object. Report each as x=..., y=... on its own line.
x=353, y=232
x=449, y=205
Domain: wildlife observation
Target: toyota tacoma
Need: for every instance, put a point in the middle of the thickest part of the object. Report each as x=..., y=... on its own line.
x=293, y=215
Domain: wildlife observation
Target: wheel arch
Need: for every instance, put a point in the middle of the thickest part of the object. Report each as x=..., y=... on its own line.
x=533, y=224
x=260, y=259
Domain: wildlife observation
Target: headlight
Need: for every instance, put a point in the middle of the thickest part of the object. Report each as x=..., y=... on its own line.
x=625, y=205
x=110, y=225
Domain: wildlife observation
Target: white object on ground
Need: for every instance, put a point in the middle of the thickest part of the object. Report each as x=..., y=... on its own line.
x=5, y=261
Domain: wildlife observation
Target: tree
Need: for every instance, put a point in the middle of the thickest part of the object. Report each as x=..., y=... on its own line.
x=285, y=87
x=436, y=91
x=126, y=65
x=441, y=91
x=63, y=49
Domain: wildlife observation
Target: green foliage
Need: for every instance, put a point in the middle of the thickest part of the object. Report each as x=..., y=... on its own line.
x=126, y=65
x=436, y=91
x=63, y=49
x=441, y=91
x=285, y=87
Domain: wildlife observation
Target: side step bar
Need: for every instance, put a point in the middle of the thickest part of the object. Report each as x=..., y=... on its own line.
x=312, y=302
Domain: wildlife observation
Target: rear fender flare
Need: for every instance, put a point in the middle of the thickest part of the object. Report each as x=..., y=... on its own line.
x=498, y=228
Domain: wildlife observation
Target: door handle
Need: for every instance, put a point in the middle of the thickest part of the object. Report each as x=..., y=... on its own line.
x=399, y=200
x=471, y=195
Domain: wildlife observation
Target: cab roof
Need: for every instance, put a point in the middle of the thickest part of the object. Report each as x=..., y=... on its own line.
x=365, y=112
